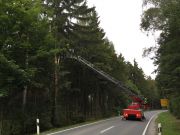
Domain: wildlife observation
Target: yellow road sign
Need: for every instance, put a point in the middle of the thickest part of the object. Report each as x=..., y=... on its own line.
x=164, y=102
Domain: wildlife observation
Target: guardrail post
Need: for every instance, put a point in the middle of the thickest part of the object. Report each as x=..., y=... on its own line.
x=159, y=129
x=38, y=129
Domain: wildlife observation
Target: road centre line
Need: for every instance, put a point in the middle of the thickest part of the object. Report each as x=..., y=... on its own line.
x=106, y=129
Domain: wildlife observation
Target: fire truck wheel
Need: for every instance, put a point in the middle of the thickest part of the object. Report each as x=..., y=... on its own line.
x=141, y=119
x=122, y=118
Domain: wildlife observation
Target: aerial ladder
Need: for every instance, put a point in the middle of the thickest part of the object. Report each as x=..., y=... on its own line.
x=103, y=74
x=134, y=110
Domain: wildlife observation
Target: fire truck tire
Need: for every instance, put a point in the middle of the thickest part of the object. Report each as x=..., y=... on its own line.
x=142, y=118
x=122, y=118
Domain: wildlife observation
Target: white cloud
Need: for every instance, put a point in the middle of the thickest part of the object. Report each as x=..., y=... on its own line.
x=121, y=19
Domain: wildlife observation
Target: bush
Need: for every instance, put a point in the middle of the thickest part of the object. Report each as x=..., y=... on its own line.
x=78, y=119
x=175, y=106
x=11, y=127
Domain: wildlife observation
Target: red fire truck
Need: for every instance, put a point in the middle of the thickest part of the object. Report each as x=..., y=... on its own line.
x=135, y=109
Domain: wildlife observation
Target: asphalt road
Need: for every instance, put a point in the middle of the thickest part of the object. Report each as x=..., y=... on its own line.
x=114, y=126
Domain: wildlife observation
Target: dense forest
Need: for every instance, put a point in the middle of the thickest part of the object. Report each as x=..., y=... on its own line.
x=164, y=16
x=39, y=80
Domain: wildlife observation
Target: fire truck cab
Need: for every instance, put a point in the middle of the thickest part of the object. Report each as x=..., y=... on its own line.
x=134, y=110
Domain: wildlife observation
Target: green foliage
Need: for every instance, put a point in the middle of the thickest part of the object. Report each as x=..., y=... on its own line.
x=37, y=80
x=164, y=16
x=174, y=106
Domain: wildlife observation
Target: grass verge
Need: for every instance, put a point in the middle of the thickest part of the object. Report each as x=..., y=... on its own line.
x=170, y=125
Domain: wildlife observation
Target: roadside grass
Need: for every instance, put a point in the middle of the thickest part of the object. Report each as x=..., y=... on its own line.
x=170, y=125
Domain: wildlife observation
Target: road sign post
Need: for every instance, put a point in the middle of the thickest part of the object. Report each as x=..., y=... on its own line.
x=38, y=129
x=159, y=129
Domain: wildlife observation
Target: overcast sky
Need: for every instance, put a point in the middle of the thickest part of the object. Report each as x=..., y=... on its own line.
x=120, y=20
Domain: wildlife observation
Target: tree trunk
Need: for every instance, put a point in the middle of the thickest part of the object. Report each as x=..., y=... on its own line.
x=25, y=87
x=1, y=119
x=24, y=96
x=55, y=93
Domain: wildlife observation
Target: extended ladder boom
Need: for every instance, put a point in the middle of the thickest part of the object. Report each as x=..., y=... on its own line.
x=105, y=75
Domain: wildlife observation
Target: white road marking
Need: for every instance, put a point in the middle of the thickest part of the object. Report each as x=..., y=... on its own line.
x=106, y=129
x=144, y=132
x=81, y=126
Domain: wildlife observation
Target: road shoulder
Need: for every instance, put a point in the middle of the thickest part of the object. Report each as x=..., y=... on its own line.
x=152, y=129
